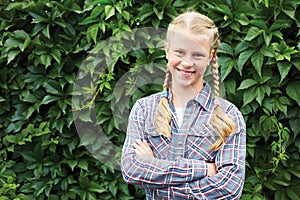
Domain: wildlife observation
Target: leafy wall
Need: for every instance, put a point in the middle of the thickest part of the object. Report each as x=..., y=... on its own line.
x=51, y=115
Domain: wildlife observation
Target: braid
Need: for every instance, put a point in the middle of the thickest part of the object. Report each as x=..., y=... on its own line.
x=215, y=73
x=162, y=118
x=223, y=125
x=167, y=79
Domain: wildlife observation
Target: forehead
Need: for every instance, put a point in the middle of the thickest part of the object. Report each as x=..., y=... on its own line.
x=187, y=39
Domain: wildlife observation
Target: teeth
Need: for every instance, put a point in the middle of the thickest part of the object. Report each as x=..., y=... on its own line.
x=185, y=72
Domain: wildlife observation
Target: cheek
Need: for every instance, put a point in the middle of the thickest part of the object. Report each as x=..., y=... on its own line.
x=202, y=66
x=173, y=61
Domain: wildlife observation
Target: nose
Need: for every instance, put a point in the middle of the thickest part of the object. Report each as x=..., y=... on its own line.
x=186, y=62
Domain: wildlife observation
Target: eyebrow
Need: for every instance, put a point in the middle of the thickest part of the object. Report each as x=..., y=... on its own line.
x=194, y=52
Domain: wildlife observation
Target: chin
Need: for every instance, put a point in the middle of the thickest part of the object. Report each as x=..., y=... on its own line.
x=185, y=85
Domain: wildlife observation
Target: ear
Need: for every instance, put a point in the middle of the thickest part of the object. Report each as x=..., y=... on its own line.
x=166, y=50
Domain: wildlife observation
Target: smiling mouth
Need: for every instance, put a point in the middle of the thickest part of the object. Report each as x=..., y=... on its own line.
x=186, y=73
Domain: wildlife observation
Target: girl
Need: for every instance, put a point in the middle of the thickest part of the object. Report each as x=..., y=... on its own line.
x=186, y=142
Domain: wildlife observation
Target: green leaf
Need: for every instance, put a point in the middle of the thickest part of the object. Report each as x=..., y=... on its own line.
x=226, y=49
x=88, y=138
x=119, y=7
x=250, y=151
x=253, y=33
x=72, y=163
x=278, y=34
x=230, y=86
x=294, y=123
x=267, y=51
x=296, y=63
x=158, y=13
x=92, y=32
x=294, y=195
x=20, y=35
x=260, y=94
x=39, y=187
x=101, y=2
x=126, y=15
x=109, y=11
x=243, y=58
x=224, y=9
x=270, y=185
x=280, y=194
x=12, y=43
x=247, y=83
x=55, y=53
x=96, y=187
x=249, y=96
x=83, y=164
x=240, y=47
x=46, y=60
x=293, y=91
x=46, y=31
x=25, y=44
x=289, y=12
x=12, y=55
x=84, y=115
x=10, y=139
x=257, y=60
x=155, y=23
x=283, y=51
x=284, y=68
x=50, y=98
x=29, y=156
x=15, y=5
x=31, y=98
x=281, y=182
x=267, y=38
x=89, y=20
x=54, y=87
x=226, y=66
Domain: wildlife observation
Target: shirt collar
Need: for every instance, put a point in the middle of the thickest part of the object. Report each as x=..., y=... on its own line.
x=204, y=97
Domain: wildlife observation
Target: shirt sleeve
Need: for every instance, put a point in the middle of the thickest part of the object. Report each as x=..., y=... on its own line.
x=148, y=172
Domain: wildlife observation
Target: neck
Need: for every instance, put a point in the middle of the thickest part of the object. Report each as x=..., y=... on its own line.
x=181, y=95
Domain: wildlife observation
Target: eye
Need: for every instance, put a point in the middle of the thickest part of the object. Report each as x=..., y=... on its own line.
x=197, y=55
x=179, y=52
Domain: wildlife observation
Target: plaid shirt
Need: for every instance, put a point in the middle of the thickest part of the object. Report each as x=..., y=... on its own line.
x=179, y=169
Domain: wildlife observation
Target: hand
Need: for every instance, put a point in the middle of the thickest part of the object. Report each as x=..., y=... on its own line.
x=212, y=169
x=143, y=148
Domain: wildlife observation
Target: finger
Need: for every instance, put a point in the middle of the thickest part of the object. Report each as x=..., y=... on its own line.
x=147, y=146
x=139, y=149
x=144, y=145
x=143, y=148
x=138, y=152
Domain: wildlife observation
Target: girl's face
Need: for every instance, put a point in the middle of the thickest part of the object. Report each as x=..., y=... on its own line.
x=188, y=56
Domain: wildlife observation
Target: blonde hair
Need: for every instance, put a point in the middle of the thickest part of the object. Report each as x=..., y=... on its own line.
x=223, y=125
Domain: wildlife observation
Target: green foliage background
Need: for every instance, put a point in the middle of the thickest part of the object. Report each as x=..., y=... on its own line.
x=44, y=44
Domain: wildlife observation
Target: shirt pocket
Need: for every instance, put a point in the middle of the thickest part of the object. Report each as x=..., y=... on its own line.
x=158, y=143
x=199, y=141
